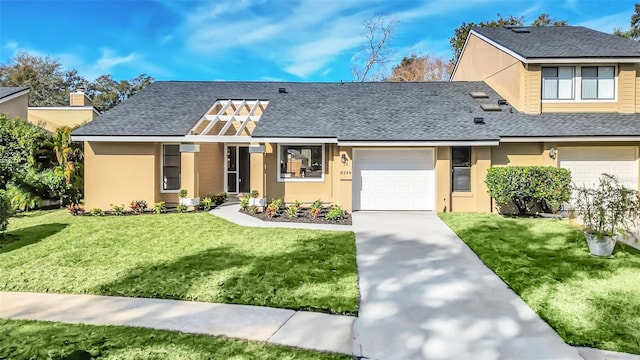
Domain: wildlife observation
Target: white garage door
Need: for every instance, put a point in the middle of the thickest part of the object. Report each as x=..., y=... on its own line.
x=393, y=179
x=586, y=164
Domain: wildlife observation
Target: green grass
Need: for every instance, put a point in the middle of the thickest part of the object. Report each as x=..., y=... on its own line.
x=21, y=339
x=180, y=256
x=589, y=301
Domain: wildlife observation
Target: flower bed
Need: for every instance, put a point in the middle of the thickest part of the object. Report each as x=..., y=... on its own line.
x=316, y=213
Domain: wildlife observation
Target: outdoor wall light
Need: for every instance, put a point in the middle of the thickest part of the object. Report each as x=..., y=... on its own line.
x=552, y=153
x=343, y=158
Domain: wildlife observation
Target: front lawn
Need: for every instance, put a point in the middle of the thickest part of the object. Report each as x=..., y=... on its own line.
x=21, y=339
x=180, y=256
x=589, y=301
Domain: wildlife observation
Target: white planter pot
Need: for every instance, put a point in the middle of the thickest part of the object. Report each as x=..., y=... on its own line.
x=600, y=246
x=190, y=201
x=257, y=201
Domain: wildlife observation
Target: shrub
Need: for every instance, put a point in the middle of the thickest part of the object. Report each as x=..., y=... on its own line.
x=206, y=203
x=273, y=207
x=75, y=209
x=527, y=186
x=336, y=213
x=182, y=193
x=159, y=207
x=181, y=208
x=244, y=203
x=315, y=212
x=138, y=206
x=316, y=204
x=253, y=194
x=252, y=209
x=292, y=211
x=96, y=212
x=22, y=199
x=219, y=198
x=117, y=209
x=5, y=212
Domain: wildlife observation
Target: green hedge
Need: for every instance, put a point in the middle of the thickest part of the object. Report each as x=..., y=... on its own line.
x=528, y=186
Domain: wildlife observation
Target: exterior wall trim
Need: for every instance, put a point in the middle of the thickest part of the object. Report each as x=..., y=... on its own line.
x=630, y=60
x=569, y=139
x=417, y=143
x=185, y=138
x=295, y=140
x=67, y=108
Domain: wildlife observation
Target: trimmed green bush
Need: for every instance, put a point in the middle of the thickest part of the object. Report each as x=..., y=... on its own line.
x=5, y=212
x=528, y=186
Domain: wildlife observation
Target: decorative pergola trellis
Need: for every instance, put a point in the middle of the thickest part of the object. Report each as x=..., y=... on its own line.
x=229, y=120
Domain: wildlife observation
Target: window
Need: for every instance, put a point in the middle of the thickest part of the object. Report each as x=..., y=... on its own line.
x=461, y=168
x=557, y=82
x=171, y=167
x=598, y=82
x=301, y=161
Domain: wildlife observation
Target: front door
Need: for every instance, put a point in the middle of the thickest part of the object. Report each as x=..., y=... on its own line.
x=238, y=169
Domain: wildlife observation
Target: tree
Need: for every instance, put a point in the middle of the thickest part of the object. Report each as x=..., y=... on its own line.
x=107, y=92
x=420, y=68
x=378, y=33
x=459, y=37
x=50, y=84
x=634, y=31
x=20, y=144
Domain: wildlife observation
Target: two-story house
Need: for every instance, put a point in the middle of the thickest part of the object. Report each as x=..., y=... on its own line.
x=523, y=96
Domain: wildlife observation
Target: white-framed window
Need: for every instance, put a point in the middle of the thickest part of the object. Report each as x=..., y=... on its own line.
x=558, y=82
x=301, y=162
x=598, y=82
x=461, y=168
x=170, y=168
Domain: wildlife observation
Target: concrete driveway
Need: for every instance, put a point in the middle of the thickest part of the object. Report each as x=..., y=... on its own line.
x=426, y=295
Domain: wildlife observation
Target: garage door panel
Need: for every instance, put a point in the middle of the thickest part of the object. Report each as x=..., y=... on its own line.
x=587, y=164
x=394, y=179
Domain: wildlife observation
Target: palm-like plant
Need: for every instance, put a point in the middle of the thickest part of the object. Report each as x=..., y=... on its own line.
x=67, y=153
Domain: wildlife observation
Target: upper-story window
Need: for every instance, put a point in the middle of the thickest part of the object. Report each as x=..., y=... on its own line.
x=557, y=83
x=598, y=82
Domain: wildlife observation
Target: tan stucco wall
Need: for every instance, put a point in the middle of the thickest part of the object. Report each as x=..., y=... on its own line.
x=332, y=189
x=52, y=118
x=117, y=173
x=476, y=200
x=443, y=179
x=16, y=107
x=481, y=61
x=209, y=169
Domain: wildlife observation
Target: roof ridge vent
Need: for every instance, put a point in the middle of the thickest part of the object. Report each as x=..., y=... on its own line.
x=490, y=107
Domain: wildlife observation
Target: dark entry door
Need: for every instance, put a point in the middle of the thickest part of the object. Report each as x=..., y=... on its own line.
x=244, y=169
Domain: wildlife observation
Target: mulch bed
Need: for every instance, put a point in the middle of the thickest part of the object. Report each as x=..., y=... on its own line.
x=303, y=217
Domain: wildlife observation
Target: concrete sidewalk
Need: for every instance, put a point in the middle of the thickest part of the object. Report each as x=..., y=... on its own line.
x=307, y=330
x=230, y=212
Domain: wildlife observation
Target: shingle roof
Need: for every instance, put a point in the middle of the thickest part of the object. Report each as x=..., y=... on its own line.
x=562, y=42
x=8, y=91
x=425, y=111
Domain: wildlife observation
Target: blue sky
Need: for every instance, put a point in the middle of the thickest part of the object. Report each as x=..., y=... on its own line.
x=262, y=40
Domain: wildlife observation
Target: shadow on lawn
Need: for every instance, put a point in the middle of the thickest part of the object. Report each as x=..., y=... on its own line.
x=19, y=238
x=534, y=261
x=271, y=280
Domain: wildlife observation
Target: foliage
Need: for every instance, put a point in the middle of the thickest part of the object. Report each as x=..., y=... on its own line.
x=182, y=193
x=292, y=211
x=214, y=261
x=608, y=209
x=316, y=204
x=633, y=32
x=68, y=156
x=527, y=186
x=252, y=209
x=75, y=209
x=181, y=208
x=589, y=301
x=20, y=144
x=461, y=33
x=244, y=202
x=274, y=206
x=22, y=199
x=117, y=209
x=5, y=212
x=219, y=198
x=159, y=207
x=253, y=194
x=206, y=203
x=421, y=68
x=378, y=33
x=315, y=212
x=106, y=92
x=50, y=84
x=335, y=213
x=96, y=212
x=25, y=340
x=138, y=206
